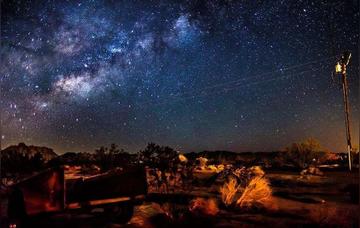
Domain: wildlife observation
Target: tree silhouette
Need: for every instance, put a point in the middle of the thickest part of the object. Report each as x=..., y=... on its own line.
x=110, y=158
x=15, y=163
x=163, y=162
x=305, y=153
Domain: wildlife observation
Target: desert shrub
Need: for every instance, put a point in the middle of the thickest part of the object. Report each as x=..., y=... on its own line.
x=202, y=162
x=244, y=175
x=164, y=164
x=256, y=171
x=229, y=190
x=256, y=194
x=246, y=189
x=106, y=158
x=204, y=207
x=165, y=182
x=304, y=154
x=162, y=157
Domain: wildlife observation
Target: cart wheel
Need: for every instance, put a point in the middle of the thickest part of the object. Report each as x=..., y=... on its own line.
x=121, y=213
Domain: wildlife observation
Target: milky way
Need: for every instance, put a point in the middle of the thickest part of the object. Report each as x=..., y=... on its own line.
x=194, y=75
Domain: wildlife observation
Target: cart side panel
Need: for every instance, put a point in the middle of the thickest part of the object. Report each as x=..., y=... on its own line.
x=44, y=192
x=130, y=182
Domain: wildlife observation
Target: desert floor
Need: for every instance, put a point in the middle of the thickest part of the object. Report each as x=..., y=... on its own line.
x=316, y=201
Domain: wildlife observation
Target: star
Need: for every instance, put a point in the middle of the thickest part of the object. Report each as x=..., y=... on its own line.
x=188, y=74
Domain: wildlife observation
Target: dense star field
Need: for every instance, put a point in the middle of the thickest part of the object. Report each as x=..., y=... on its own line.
x=194, y=75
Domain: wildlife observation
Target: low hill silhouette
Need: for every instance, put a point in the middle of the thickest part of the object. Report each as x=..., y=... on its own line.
x=30, y=151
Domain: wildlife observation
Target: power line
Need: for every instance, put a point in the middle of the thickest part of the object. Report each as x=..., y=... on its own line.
x=226, y=89
x=231, y=83
x=264, y=74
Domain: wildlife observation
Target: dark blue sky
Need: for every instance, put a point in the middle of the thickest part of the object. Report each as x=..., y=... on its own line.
x=194, y=75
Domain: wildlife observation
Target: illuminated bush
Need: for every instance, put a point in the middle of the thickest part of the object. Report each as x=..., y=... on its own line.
x=246, y=189
x=256, y=171
x=229, y=190
x=256, y=194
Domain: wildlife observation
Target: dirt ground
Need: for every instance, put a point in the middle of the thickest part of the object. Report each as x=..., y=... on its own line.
x=319, y=201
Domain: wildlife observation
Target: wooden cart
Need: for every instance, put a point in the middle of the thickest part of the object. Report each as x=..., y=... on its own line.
x=115, y=192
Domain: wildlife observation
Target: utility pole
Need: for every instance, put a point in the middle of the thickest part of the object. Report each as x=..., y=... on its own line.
x=340, y=69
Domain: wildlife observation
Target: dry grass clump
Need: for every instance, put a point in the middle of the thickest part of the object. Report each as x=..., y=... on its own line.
x=247, y=189
x=204, y=207
x=229, y=190
x=256, y=194
x=256, y=171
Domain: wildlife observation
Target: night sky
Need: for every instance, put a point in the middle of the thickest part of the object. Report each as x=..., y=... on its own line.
x=195, y=75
